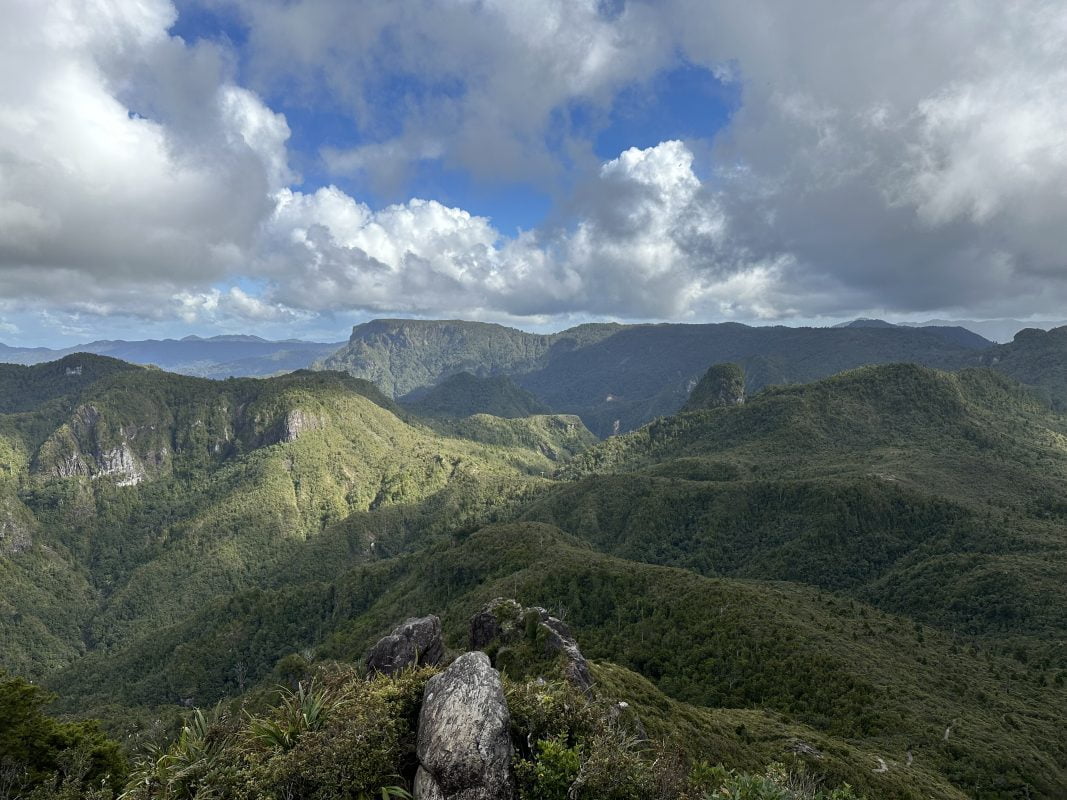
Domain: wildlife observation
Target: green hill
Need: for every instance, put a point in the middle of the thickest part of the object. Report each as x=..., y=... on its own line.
x=871, y=565
x=1037, y=358
x=626, y=374
x=857, y=679
x=464, y=394
x=923, y=492
x=135, y=495
x=722, y=385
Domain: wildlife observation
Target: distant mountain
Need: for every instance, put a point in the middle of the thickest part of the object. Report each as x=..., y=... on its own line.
x=215, y=357
x=954, y=333
x=996, y=330
x=865, y=322
x=1037, y=358
x=463, y=394
x=618, y=377
x=402, y=355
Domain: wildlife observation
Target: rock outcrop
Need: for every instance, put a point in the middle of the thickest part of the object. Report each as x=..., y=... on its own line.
x=722, y=385
x=415, y=642
x=89, y=446
x=505, y=622
x=464, y=742
x=14, y=530
x=297, y=422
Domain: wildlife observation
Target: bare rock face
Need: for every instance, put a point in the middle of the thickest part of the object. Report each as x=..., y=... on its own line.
x=88, y=446
x=504, y=621
x=296, y=422
x=415, y=642
x=14, y=532
x=464, y=744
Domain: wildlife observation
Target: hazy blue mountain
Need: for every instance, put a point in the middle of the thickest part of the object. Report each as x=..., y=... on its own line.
x=996, y=330
x=215, y=357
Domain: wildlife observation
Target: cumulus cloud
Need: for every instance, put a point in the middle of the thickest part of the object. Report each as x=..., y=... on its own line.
x=904, y=157
x=650, y=241
x=912, y=153
x=130, y=165
x=484, y=86
x=898, y=156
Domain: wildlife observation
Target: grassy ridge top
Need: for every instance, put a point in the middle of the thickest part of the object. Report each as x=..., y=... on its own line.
x=854, y=675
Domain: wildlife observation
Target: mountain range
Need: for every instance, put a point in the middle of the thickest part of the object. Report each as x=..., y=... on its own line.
x=862, y=571
x=215, y=357
x=619, y=377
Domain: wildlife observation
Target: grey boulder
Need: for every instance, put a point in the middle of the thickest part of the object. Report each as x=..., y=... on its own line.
x=415, y=642
x=464, y=741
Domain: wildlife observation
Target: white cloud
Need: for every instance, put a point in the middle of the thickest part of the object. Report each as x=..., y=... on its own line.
x=903, y=156
x=129, y=164
x=478, y=84
x=912, y=154
x=650, y=241
x=219, y=307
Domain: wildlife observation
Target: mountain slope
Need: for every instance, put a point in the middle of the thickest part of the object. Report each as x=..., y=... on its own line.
x=464, y=394
x=923, y=492
x=128, y=502
x=872, y=680
x=957, y=334
x=401, y=355
x=624, y=374
x=874, y=562
x=1037, y=358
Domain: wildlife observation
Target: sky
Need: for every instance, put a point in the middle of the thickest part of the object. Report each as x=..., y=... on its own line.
x=292, y=167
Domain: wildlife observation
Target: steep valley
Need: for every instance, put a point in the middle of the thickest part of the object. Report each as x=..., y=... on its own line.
x=871, y=565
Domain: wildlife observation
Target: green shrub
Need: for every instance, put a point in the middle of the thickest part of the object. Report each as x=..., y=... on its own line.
x=43, y=757
x=552, y=774
x=335, y=737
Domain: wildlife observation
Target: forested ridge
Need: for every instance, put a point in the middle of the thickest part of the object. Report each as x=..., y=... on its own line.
x=871, y=565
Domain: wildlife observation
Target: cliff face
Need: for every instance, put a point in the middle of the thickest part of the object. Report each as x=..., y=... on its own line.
x=92, y=447
x=619, y=377
x=400, y=356
x=16, y=525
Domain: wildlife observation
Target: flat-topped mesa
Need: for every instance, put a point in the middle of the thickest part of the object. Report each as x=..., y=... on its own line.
x=504, y=623
x=723, y=385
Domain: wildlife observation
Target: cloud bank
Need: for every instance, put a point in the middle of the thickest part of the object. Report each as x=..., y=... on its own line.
x=907, y=157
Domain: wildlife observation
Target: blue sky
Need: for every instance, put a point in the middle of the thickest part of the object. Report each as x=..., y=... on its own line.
x=683, y=101
x=291, y=167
